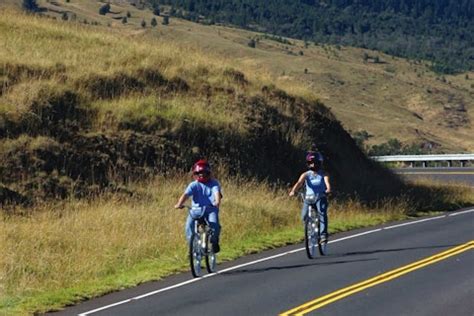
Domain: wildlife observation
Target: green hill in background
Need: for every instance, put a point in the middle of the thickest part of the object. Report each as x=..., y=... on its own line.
x=440, y=31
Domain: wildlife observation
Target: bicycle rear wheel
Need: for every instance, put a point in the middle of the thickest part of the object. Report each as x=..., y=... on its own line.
x=195, y=255
x=322, y=244
x=211, y=260
x=310, y=232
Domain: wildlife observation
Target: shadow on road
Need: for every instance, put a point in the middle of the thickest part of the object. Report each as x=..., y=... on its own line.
x=370, y=252
x=296, y=266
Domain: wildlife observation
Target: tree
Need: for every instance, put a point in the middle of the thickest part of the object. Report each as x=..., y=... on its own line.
x=30, y=5
x=153, y=22
x=104, y=9
x=252, y=43
x=143, y=23
x=156, y=10
x=166, y=20
x=124, y=20
x=64, y=16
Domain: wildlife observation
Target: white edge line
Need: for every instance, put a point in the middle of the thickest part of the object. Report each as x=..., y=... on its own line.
x=262, y=260
x=415, y=222
x=462, y=212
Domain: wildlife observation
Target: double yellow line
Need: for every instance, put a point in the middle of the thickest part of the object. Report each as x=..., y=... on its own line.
x=339, y=294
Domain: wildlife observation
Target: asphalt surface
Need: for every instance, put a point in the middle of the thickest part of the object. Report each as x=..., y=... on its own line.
x=274, y=286
x=443, y=175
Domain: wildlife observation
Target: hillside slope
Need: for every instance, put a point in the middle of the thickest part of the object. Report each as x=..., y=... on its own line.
x=87, y=108
x=400, y=98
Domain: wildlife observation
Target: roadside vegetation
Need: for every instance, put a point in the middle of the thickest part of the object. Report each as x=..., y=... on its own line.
x=62, y=252
x=99, y=125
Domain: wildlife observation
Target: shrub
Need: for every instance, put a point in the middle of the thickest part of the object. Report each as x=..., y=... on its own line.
x=30, y=5
x=104, y=9
x=252, y=43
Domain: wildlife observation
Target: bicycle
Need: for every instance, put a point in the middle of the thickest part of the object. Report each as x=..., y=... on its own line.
x=312, y=231
x=200, y=245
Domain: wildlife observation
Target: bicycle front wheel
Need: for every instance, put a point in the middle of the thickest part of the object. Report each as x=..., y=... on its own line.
x=195, y=255
x=310, y=237
x=211, y=260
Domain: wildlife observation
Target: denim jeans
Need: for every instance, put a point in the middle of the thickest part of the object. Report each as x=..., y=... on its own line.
x=212, y=215
x=322, y=206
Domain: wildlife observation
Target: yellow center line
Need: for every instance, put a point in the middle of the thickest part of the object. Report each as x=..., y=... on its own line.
x=339, y=294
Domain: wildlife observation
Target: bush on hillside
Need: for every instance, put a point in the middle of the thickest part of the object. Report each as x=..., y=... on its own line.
x=104, y=9
x=30, y=5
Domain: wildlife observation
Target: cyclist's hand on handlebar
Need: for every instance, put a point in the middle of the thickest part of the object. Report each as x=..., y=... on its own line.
x=178, y=206
x=292, y=193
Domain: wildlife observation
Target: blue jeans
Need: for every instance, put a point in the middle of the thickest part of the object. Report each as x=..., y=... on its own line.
x=212, y=215
x=322, y=206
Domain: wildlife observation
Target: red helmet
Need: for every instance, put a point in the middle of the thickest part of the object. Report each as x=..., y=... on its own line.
x=202, y=170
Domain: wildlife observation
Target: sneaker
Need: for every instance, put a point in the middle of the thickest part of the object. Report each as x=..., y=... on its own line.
x=216, y=248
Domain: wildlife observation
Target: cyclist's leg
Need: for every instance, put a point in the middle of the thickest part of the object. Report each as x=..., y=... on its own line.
x=304, y=211
x=322, y=206
x=188, y=228
x=213, y=218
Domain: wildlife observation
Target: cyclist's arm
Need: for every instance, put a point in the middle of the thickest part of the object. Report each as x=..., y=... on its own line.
x=328, y=185
x=181, y=201
x=217, y=199
x=216, y=191
x=298, y=184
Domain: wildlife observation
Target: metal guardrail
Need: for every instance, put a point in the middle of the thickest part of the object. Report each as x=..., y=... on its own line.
x=449, y=158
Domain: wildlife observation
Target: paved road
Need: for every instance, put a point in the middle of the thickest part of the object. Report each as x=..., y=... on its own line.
x=444, y=175
x=410, y=280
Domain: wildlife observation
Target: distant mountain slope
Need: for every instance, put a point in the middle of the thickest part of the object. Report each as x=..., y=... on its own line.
x=441, y=31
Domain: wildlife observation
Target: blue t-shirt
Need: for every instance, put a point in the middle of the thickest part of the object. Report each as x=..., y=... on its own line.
x=315, y=183
x=203, y=194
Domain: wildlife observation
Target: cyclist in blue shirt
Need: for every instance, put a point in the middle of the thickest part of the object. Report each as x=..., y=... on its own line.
x=205, y=192
x=317, y=183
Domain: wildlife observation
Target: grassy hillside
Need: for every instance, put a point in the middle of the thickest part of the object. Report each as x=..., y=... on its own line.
x=402, y=99
x=86, y=108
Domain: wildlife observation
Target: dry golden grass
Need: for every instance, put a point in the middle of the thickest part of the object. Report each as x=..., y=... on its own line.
x=78, y=244
x=66, y=250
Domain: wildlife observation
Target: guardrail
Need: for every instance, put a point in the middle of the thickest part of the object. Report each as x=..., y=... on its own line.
x=424, y=159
